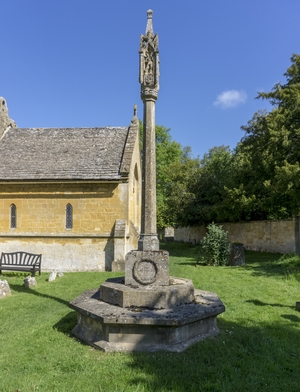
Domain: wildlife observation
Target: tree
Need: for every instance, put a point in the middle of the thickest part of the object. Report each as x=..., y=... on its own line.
x=270, y=151
x=170, y=155
x=179, y=189
x=197, y=189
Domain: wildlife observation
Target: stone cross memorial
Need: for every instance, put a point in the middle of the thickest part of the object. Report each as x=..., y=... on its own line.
x=148, y=265
x=147, y=310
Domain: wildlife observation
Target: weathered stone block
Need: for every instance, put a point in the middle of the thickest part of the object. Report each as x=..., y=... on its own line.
x=144, y=268
x=178, y=292
x=52, y=276
x=4, y=289
x=148, y=242
x=29, y=282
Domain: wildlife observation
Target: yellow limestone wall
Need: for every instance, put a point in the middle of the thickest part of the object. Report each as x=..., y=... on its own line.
x=41, y=218
x=264, y=236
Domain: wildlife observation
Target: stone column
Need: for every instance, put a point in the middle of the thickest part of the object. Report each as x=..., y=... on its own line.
x=149, y=80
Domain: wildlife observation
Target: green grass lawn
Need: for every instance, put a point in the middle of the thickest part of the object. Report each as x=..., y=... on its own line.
x=258, y=348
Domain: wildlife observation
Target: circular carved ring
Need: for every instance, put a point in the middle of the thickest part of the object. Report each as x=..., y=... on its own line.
x=145, y=271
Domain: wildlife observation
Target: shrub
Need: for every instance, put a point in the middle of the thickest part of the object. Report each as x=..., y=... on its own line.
x=214, y=247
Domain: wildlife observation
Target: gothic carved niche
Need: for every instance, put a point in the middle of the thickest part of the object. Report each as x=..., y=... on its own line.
x=149, y=62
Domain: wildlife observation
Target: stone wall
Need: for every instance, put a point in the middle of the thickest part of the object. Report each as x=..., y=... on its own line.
x=41, y=208
x=65, y=253
x=192, y=235
x=89, y=245
x=265, y=236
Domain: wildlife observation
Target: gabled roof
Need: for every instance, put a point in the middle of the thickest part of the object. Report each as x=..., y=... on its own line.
x=64, y=153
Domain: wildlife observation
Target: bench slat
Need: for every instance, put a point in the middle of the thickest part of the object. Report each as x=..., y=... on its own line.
x=21, y=261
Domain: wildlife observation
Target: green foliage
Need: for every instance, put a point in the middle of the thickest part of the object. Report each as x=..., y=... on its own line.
x=174, y=170
x=270, y=151
x=260, y=179
x=214, y=247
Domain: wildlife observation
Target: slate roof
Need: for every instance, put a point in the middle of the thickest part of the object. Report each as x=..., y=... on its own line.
x=63, y=153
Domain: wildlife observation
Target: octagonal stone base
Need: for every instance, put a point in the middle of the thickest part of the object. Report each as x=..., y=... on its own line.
x=112, y=328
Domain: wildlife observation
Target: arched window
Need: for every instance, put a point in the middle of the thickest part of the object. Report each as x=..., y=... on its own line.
x=13, y=216
x=69, y=216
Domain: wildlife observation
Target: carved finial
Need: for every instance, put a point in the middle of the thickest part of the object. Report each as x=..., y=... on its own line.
x=134, y=120
x=3, y=106
x=5, y=121
x=149, y=28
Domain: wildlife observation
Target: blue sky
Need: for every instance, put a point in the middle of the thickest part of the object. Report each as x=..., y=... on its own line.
x=71, y=63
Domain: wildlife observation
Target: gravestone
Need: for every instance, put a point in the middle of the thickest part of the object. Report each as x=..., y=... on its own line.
x=237, y=254
x=52, y=276
x=4, y=289
x=30, y=281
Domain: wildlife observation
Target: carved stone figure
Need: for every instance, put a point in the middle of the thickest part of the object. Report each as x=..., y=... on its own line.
x=149, y=61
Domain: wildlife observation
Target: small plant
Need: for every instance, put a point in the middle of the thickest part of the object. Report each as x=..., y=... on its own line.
x=214, y=247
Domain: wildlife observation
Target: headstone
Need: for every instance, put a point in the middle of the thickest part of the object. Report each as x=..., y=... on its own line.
x=237, y=254
x=52, y=276
x=168, y=234
x=4, y=289
x=29, y=282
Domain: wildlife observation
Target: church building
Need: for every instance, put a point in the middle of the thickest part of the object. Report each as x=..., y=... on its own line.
x=70, y=194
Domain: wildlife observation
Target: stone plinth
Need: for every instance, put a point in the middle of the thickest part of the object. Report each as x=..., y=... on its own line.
x=113, y=328
x=147, y=268
x=178, y=292
x=148, y=242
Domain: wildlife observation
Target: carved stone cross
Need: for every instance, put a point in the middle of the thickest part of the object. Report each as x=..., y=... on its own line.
x=149, y=80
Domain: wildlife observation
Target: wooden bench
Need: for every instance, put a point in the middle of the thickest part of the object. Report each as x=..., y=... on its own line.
x=21, y=261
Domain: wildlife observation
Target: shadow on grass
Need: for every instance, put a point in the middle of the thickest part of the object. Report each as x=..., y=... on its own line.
x=67, y=323
x=291, y=317
x=257, y=358
x=22, y=289
x=272, y=264
x=260, y=303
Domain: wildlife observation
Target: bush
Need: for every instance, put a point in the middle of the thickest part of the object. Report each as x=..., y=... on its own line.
x=214, y=247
